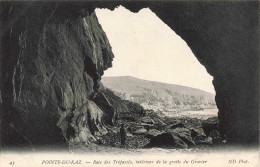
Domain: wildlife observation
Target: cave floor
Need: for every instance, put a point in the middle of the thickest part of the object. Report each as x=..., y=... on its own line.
x=99, y=149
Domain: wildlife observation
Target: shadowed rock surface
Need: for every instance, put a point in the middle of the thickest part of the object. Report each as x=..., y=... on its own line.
x=209, y=125
x=51, y=70
x=166, y=140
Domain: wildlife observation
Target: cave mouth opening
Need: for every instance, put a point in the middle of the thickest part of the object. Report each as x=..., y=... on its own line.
x=236, y=97
x=149, y=54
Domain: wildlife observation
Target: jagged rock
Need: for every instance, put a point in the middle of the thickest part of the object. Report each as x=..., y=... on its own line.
x=147, y=120
x=214, y=134
x=153, y=132
x=197, y=132
x=128, y=118
x=85, y=135
x=147, y=126
x=89, y=83
x=140, y=131
x=161, y=140
x=55, y=68
x=199, y=137
x=166, y=140
x=176, y=125
x=184, y=134
x=159, y=121
x=129, y=135
x=83, y=124
x=208, y=141
x=210, y=124
x=134, y=128
x=118, y=108
x=95, y=121
x=180, y=143
x=110, y=112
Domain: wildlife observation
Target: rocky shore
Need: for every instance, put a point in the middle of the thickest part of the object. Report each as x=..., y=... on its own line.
x=148, y=130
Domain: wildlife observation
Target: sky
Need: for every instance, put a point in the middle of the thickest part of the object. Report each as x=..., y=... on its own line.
x=146, y=48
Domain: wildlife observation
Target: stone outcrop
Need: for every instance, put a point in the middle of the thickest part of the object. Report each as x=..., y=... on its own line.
x=51, y=69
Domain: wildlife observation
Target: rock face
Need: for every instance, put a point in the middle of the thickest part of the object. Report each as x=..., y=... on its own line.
x=121, y=106
x=210, y=124
x=184, y=134
x=51, y=69
x=51, y=53
x=225, y=39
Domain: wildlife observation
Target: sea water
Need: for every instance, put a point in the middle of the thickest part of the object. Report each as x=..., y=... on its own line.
x=200, y=114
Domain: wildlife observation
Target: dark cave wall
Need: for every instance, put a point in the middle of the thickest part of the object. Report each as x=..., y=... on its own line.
x=51, y=68
x=222, y=35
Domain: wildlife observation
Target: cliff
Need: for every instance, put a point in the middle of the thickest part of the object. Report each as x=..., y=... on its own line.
x=51, y=69
x=159, y=96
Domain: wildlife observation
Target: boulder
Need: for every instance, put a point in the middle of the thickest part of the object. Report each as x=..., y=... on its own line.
x=147, y=120
x=158, y=121
x=184, y=134
x=214, y=134
x=147, y=126
x=210, y=124
x=153, y=132
x=129, y=135
x=176, y=125
x=128, y=118
x=207, y=141
x=179, y=143
x=166, y=140
x=133, y=127
x=197, y=132
x=140, y=131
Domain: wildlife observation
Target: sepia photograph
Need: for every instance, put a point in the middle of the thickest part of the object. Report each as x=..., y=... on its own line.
x=111, y=83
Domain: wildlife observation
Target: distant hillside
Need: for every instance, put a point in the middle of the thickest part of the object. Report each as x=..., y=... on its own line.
x=159, y=96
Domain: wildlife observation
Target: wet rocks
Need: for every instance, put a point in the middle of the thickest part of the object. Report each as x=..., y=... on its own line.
x=181, y=137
